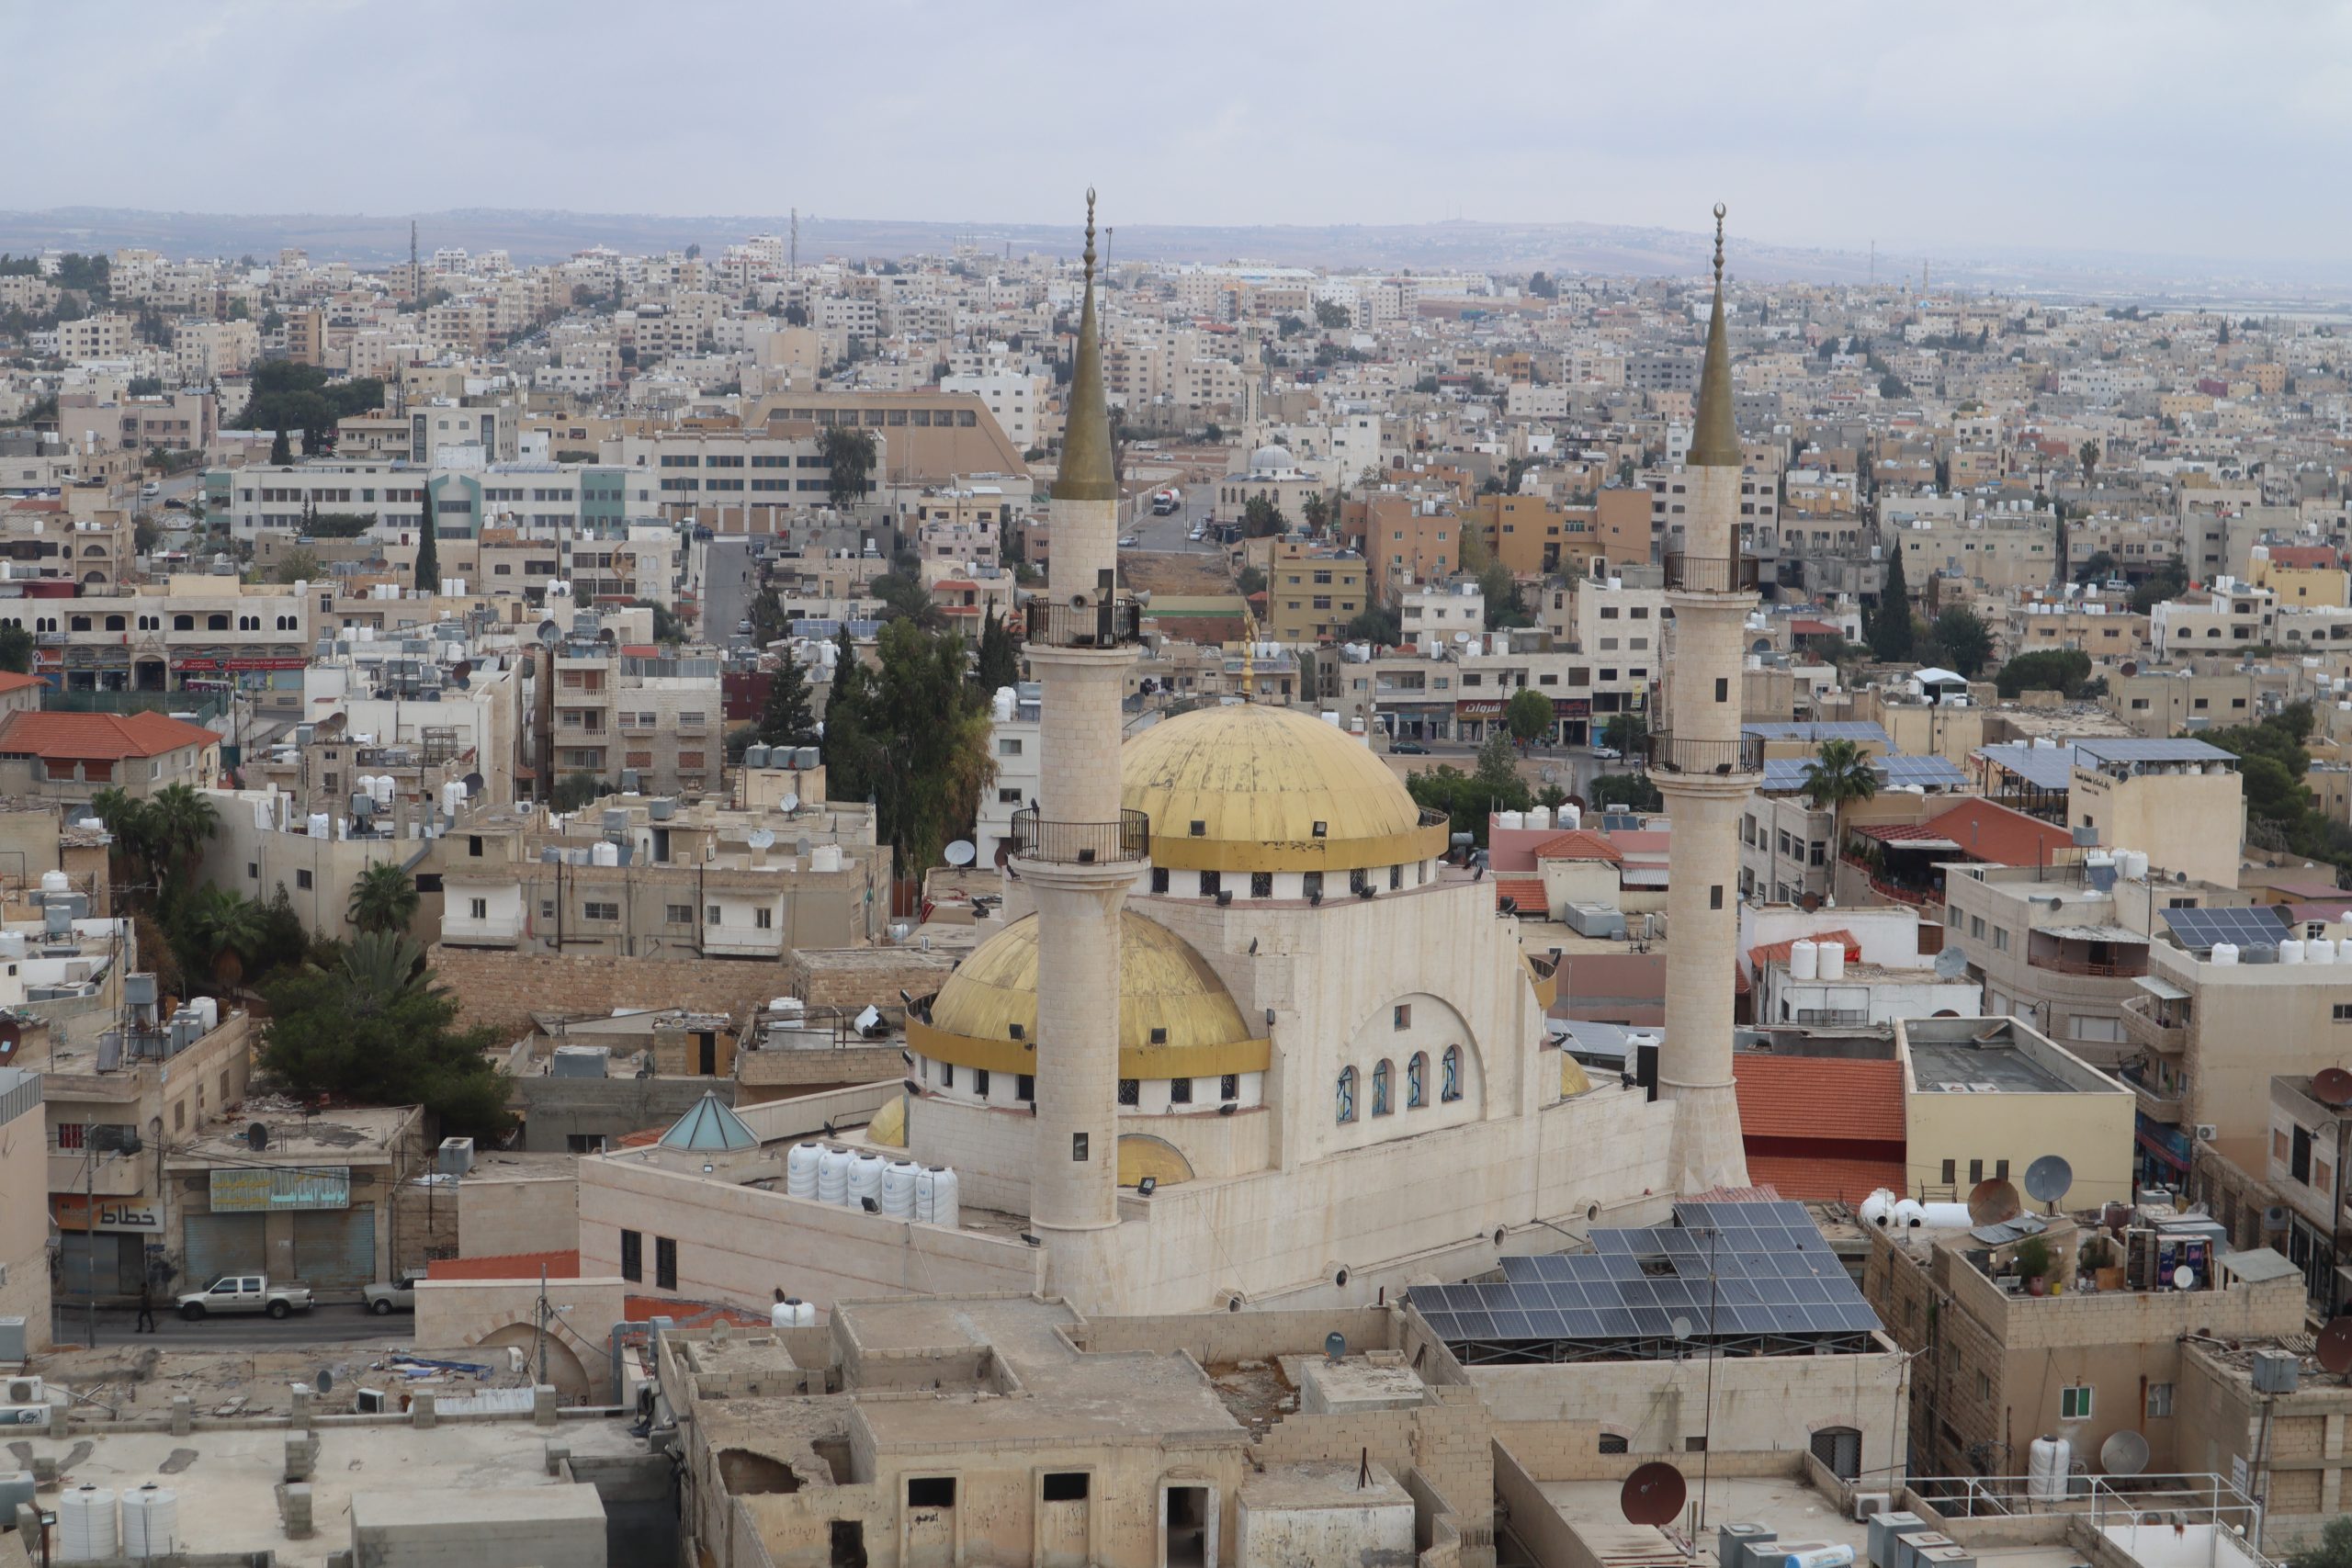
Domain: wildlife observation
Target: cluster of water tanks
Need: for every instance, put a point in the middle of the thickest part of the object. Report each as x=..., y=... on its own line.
x=901, y=1190
x=798, y=758
x=1816, y=960
x=91, y=1525
x=1887, y=1212
x=2318, y=950
x=1539, y=818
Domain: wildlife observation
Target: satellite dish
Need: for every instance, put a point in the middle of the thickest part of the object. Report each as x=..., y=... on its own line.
x=2048, y=1177
x=961, y=853
x=2335, y=1346
x=1992, y=1201
x=1652, y=1495
x=759, y=838
x=325, y=1381
x=1951, y=964
x=2125, y=1452
x=789, y=803
x=2333, y=1085
x=257, y=1136
x=1335, y=1346
x=2183, y=1278
x=1461, y=636
x=1683, y=1327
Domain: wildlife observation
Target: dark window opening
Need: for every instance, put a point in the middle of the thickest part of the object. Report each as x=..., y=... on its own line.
x=930, y=1492
x=1064, y=1486
x=632, y=1255
x=665, y=1263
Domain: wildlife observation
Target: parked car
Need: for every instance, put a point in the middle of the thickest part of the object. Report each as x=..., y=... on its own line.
x=244, y=1292
x=1608, y=753
x=1408, y=747
x=386, y=1300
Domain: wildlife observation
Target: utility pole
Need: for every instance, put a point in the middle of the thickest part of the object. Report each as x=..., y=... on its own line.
x=415, y=278
x=793, y=272
x=542, y=1313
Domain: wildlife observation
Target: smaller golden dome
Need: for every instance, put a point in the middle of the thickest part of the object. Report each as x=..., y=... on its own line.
x=1166, y=988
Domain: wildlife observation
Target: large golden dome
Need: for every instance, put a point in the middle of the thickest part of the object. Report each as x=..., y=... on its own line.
x=1166, y=988
x=1244, y=787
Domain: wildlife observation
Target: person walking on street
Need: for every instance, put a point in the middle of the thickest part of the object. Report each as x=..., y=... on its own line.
x=146, y=1324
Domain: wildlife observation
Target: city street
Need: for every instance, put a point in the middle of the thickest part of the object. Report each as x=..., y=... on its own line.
x=346, y=1324
x=1172, y=531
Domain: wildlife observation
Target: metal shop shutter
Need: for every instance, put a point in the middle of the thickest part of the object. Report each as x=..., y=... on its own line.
x=334, y=1249
x=222, y=1244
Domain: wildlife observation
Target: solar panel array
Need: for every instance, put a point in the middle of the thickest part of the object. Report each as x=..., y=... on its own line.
x=1771, y=1272
x=1828, y=729
x=1927, y=772
x=2256, y=927
x=2044, y=767
x=2155, y=749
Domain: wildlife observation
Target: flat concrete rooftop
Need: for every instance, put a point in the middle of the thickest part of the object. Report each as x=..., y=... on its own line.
x=227, y=1481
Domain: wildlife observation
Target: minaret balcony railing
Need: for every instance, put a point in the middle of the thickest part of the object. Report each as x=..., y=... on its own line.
x=1687, y=573
x=1673, y=753
x=1103, y=623
x=1039, y=838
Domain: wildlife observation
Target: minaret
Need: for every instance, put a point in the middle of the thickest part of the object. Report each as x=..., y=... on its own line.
x=1705, y=768
x=1076, y=850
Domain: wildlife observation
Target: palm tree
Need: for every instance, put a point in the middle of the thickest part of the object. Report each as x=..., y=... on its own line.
x=129, y=821
x=227, y=925
x=383, y=899
x=1840, y=770
x=380, y=965
x=180, y=821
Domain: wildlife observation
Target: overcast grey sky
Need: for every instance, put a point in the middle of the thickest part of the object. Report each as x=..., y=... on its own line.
x=2144, y=126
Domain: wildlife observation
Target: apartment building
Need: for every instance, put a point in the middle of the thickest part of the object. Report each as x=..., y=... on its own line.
x=181, y=420
x=633, y=721
x=1313, y=591
x=1011, y=398
x=74, y=756
x=93, y=551
x=103, y=336
x=184, y=632
x=1408, y=538
x=24, y=1227
x=924, y=437
x=2159, y=703
x=649, y=878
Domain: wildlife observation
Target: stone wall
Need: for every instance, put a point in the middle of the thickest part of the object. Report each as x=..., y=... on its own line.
x=504, y=988
x=500, y=1216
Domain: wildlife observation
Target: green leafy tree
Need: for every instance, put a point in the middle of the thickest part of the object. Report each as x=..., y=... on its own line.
x=1251, y=581
x=999, y=665
x=849, y=741
x=904, y=597
x=219, y=930
x=15, y=650
x=1626, y=734
x=299, y=564
x=577, y=790
x=787, y=719
x=1962, y=634
x=1260, y=517
x=281, y=451
x=1890, y=631
x=2333, y=1549
x=930, y=727
x=1506, y=605
x=180, y=822
x=1840, y=772
x=383, y=899
x=428, y=548
x=2088, y=455
x=376, y=1028
x=850, y=454
x=1636, y=791
x=2061, y=670
x=1380, y=624
x=1332, y=316
x=1529, y=714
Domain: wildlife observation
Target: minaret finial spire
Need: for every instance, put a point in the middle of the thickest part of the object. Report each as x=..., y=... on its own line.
x=1086, y=473
x=1714, y=442
x=1090, y=233
x=1719, y=210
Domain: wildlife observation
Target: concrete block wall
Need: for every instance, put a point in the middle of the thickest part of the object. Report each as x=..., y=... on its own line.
x=495, y=987
x=498, y=1216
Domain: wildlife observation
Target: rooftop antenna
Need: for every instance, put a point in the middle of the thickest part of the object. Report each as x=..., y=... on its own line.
x=793, y=272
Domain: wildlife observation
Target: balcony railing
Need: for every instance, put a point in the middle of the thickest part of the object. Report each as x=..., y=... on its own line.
x=1109, y=623
x=1687, y=573
x=1673, y=753
x=1080, y=843
x=2158, y=1104
x=2143, y=1025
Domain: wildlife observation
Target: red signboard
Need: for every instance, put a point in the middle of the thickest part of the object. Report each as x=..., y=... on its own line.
x=1478, y=707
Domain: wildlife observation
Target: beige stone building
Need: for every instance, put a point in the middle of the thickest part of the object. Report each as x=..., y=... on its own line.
x=23, y=1226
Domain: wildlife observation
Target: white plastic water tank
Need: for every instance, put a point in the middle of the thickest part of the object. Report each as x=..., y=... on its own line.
x=2225, y=953
x=1539, y=816
x=825, y=857
x=1944, y=1216
x=207, y=1009
x=1878, y=1208
x=151, y=1522
x=2136, y=865
x=1833, y=960
x=1572, y=816
x=946, y=1204
x=55, y=882
x=926, y=1194
x=85, y=1525
x=2047, y=1462
x=2318, y=950
x=898, y=1189
x=2290, y=951
x=1511, y=821
x=319, y=825
x=12, y=944
x=384, y=782
x=453, y=797
x=833, y=1176
x=1908, y=1214
x=801, y=1170
x=1819, y=1557
x=1804, y=959
x=1001, y=705
x=603, y=852
x=791, y=1312
x=786, y=1007
x=865, y=1179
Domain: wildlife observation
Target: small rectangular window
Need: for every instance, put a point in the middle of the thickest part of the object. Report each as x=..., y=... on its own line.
x=1952, y=1170
x=1402, y=1018
x=1024, y=1088
x=932, y=1490
x=1180, y=1091
x=1077, y=1146
x=1716, y=895
x=1063, y=1486
x=632, y=1255
x=301, y=879
x=2160, y=1399
x=2075, y=1403
x=1230, y=1087
x=665, y=1263
x=1130, y=1091
x=980, y=1082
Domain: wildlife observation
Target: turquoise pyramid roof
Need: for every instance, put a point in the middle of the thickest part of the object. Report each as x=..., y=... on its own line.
x=708, y=1125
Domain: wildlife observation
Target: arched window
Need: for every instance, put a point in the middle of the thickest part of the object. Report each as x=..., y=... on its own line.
x=216, y=623
x=1449, y=1080
x=114, y=624
x=1417, y=1081
x=1347, y=1094
x=1381, y=1104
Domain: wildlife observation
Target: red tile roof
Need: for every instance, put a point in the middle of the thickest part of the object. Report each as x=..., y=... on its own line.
x=1819, y=1097
x=1985, y=830
x=507, y=1266
x=1777, y=951
x=1824, y=1178
x=93, y=736
x=1579, y=843
x=1525, y=891
x=11, y=682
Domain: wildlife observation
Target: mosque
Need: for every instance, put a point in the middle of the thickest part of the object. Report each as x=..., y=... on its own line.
x=1246, y=1036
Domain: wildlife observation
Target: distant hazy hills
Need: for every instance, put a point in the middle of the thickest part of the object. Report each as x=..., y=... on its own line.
x=536, y=236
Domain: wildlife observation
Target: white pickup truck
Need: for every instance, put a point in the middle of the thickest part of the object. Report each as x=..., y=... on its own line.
x=244, y=1292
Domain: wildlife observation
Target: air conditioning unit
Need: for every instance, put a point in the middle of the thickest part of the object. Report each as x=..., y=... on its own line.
x=2207, y=1131
x=371, y=1402
x=26, y=1391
